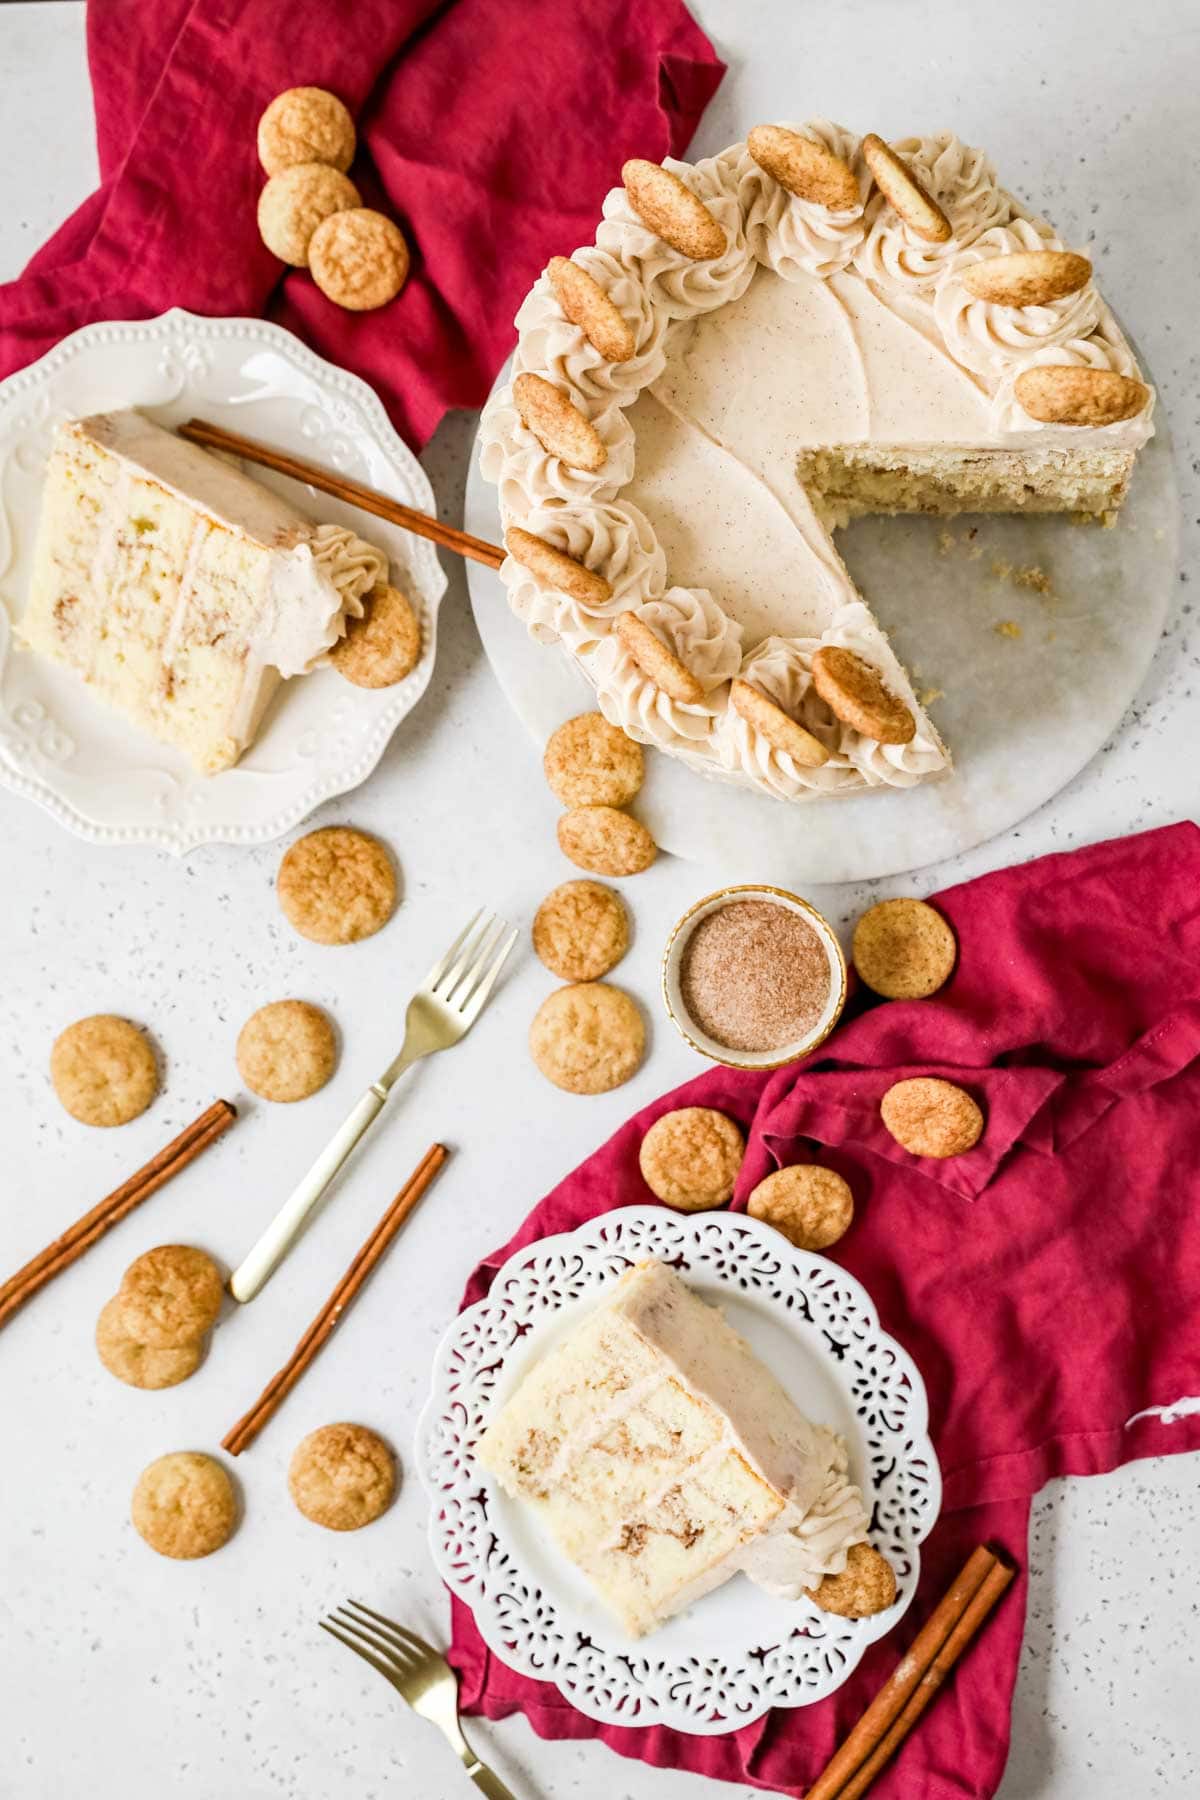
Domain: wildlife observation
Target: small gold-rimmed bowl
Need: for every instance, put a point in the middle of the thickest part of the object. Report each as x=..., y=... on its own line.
x=694, y=1034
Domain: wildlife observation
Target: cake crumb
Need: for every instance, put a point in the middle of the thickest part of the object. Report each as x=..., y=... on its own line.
x=1001, y=570
x=1007, y=628
x=946, y=542
x=928, y=695
x=1034, y=578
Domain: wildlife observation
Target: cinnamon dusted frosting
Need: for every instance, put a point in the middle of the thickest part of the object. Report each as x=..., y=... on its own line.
x=814, y=329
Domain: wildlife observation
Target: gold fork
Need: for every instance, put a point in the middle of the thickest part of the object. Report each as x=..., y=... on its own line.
x=419, y=1674
x=442, y=1011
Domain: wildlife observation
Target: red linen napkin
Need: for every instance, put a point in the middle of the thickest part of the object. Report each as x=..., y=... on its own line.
x=491, y=129
x=1047, y=1284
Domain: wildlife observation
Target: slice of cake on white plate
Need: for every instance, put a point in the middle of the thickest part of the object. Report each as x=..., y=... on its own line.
x=664, y=1457
x=808, y=327
x=179, y=589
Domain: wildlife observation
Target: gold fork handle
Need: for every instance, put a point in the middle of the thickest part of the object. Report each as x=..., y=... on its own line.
x=485, y=1779
x=260, y=1262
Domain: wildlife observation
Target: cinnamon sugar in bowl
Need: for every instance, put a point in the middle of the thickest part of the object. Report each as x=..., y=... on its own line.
x=753, y=977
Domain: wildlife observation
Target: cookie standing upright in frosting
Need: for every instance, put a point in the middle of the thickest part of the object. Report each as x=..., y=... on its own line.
x=810, y=337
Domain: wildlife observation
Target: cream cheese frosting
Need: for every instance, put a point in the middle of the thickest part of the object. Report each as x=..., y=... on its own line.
x=813, y=329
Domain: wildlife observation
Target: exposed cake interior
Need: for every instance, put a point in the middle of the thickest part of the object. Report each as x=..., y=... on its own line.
x=664, y=1457
x=180, y=589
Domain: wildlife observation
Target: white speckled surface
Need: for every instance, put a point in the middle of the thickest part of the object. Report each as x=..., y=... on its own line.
x=124, y=1675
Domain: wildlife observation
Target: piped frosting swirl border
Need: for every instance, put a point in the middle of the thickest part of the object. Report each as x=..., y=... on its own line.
x=658, y=290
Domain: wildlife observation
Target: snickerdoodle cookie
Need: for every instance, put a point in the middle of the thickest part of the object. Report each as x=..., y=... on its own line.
x=1058, y=395
x=359, y=259
x=286, y=1050
x=553, y=569
x=169, y=1296
x=690, y=1158
x=810, y=1205
x=903, y=949
x=855, y=692
x=342, y=1476
x=898, y=185
x=295, y=202
x=803, y=167
x=666, y=205
x=337, y=885
x=781, y=731
x=184, y=1505
x=305, y=125
x=137, y=1365
x=659, y=664
x=103, y=1070
x=557, y=423
x=581, y=930
x=587, y=305
x=589, y=762
x=867, y=1585
x=930, y=1117
x=605, y=842
x=384, y=645
x=587, y=1038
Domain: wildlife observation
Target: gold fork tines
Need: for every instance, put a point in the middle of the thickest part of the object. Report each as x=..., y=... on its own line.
x=420, y=1675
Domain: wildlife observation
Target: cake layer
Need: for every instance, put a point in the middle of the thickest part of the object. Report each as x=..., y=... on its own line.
x=854, y=481
x=664, y=1457
x=179, y=589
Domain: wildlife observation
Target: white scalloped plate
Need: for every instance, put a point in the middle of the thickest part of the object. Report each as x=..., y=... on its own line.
x=738, y=1652
x=73, y=755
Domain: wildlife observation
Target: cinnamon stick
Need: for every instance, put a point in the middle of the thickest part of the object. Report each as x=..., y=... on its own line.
x=88, y=1230
x=915, y=1680
x=243, y=1434
x=354, y=493
x=994, y=1585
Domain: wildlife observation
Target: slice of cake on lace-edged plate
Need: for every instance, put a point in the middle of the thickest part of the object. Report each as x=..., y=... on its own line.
x=796, y=336
x=164, y=614
x=647, y=1448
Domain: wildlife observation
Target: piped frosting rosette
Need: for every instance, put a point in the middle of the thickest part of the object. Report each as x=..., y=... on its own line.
x=528, y=475
x=550, y=345
x=791, y=1562
x=963, y=182
x=705, y=639
x=782, y=669
x=893, y=765
x=784, y=232
x=991, y=339
x=614, y=539
x=1103, y=348
x=836, y=1521
x=676, y=286
x=352, y=565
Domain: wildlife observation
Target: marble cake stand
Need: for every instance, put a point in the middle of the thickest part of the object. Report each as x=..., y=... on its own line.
x=1033, y=683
